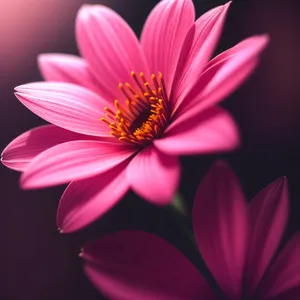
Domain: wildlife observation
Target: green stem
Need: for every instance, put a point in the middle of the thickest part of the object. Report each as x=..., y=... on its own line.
x=179, y=213
x=179, y=205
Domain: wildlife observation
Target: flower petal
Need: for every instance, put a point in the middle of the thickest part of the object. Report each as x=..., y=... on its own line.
x=163, y=36
x=226, y=72
x=235, y=70
x=73, y=161
x=66, y=105
x=269, y=216
x=110, y=47
x=284, y=275
x=66, y=68
x=86, y=200
x=206, y=35
x=292, y=294
x=23, y=149
x=154, y=175
x=146, y=268
x=221, y=228
x=213, y=131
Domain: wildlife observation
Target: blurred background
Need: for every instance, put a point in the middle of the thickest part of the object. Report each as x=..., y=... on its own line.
x=36, y=262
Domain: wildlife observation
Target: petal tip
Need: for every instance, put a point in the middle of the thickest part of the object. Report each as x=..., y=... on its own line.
x=17, y=89
x=84, y=251
x=28, y=184
x=261, y=41
x=87, y=9
x=63, y=226
x=84, y=7
x=281, y=182
x=44, y=58
x=83, y=13
x=21, y=96
x=60, y=230
x=220, y=165
x=221, y=169
x=4, y=163
x=25, y=87
x=23, y=183
x=162, y=200
x=227, y=4
x=265, y=38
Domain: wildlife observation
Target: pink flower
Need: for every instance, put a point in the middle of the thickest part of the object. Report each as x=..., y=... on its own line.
x=237, y=241
x=167, y=91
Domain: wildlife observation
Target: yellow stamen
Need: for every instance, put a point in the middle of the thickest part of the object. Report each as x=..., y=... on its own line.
x=145, y=114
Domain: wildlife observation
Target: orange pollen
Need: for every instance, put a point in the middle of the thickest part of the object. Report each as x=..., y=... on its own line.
x=145, y=114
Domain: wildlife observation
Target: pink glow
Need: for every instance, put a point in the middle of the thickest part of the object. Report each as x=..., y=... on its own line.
x=23, y=22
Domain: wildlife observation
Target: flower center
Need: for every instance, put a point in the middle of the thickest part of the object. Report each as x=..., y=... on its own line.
x=146, y=113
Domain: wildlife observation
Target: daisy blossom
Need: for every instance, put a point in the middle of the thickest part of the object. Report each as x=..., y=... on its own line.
x=123, y=112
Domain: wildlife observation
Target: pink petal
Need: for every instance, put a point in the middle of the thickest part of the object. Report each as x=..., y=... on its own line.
x=163, y=36
x=235, y=50
x=283, y=278
x=66, y=68
x=147, y=268
x=86, y=200
x=73, y=161
x=206, y=35
x=154, y=175
x=66, y=105
x=22, y=150
x=292, y=294
x=232, y=73
x=226, y=73
x=213, y=131
x=110, y=47
x=221, y=228
x=269, y=216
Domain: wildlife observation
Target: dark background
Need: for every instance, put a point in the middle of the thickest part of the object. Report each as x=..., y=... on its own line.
x=36, y=262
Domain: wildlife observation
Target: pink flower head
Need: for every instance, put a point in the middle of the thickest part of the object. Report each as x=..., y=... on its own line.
x=123, y=113
x=237, y=241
